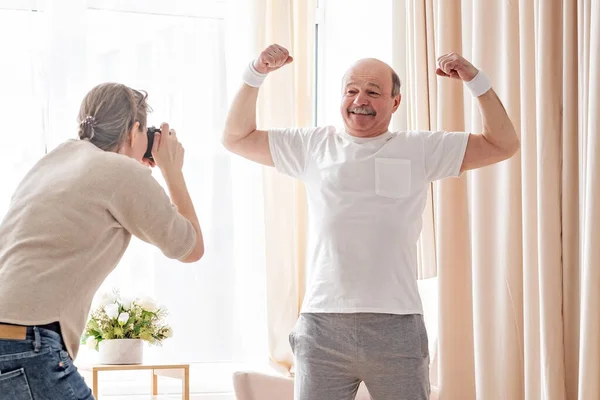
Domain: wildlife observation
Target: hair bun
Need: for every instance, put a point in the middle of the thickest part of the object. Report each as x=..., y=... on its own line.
x=86, y=127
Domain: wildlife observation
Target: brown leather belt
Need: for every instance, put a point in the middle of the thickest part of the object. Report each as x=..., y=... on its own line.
x=13, y=332
x=19, y=332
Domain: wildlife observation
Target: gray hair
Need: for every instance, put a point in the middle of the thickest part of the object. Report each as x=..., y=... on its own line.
x=395, y=84
x=108, y=113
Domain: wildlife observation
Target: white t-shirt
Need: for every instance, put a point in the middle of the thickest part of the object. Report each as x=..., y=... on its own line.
x=365, y=203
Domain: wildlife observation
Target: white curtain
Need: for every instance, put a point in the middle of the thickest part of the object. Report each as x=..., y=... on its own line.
x=176, y=52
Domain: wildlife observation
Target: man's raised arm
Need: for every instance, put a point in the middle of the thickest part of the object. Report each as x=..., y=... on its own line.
x=499, y=140
x=240, y=135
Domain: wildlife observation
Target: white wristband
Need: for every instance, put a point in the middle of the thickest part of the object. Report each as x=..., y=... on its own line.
x=480, y=84
x=252, y=77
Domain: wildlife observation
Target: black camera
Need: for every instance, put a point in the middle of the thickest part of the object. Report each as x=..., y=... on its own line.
x=150, y=133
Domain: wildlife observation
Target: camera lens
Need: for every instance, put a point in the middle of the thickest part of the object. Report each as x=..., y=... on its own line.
x=150, y=134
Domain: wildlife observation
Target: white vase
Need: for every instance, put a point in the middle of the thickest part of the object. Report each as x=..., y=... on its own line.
x=121, y=351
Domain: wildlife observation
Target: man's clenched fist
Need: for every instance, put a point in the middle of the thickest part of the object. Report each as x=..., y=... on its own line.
x=272, y=58
x=453, y=65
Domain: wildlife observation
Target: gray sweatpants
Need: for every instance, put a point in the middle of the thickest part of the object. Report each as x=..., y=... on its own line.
x=335, y=352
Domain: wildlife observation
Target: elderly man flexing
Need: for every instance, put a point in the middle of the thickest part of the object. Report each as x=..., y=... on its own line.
x=362, y=315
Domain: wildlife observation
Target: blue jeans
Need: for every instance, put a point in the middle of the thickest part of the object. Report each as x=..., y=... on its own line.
x=39, y=368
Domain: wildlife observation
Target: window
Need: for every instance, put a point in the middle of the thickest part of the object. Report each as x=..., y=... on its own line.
x=175, y=51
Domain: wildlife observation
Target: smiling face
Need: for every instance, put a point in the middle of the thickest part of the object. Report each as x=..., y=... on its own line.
x=370, y=97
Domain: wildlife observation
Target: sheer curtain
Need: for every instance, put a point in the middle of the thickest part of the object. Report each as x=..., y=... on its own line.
x=20, y=104
x=175, y=51
x=286, y=99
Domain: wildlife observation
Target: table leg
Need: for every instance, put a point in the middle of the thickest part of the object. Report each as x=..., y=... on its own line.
x=95, y=383
x=186, y=383
x=154, y=383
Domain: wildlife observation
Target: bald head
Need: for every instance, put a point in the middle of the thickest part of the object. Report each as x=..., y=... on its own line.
x=376, y=67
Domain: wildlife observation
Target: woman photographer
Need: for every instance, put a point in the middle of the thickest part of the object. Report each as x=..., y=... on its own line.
x=69, y=222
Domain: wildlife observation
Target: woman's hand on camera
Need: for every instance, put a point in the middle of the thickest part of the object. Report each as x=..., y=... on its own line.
x=149, y=162
x=167, y=151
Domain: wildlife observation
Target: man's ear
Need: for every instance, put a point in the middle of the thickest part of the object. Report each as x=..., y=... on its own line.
x=397, y=100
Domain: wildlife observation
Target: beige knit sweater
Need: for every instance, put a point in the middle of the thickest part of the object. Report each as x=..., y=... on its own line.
x=68, y=225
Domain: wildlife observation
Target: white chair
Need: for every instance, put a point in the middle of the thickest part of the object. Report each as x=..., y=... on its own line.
x=249, y=385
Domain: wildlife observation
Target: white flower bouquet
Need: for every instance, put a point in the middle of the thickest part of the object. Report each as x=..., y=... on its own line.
x=121, y=317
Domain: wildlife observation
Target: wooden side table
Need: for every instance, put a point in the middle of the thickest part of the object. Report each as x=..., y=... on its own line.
x=175, y=371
